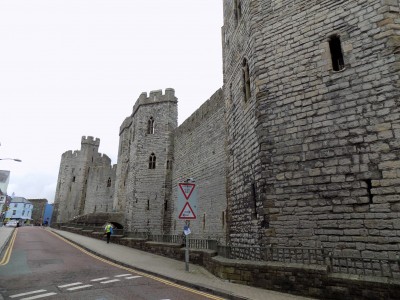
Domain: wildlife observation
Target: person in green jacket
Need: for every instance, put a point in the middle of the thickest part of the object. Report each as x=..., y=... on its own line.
x=108, y=231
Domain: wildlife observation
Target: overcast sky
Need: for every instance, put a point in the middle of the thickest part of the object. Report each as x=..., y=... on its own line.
x=73, y=68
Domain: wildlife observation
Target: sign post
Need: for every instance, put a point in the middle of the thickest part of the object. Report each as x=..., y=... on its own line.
x=187, y=209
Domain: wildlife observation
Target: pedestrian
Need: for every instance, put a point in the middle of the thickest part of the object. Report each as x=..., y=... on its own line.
x=108, y=231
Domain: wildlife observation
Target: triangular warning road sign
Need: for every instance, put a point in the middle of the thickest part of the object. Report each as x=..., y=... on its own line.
x=187, y=212
x=187, y=189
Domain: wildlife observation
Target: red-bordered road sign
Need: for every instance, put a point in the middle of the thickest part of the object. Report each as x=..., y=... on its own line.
x=187, y=201
x=187, y=212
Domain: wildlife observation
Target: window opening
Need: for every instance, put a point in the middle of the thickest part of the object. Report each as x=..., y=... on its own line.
x=73, y=179
x=150, y=126
x=169, y=165
x=369, y=188
x=109, y=182
x=152, y=161
x=166, y=205
x=237, y=11
x=336, y=53
x=246, y=80
x=148, y=204
x=223, y=219
x=254, y=199
x=204, y=221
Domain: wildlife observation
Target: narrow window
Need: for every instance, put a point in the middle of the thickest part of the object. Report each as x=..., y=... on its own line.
x=230, y=93
x=109, y=182
x=152, y=161
x=223, y=219
x=73, y=179
x=166, y=205
x=237, y=10
x=204, y=221
x=369, y=188
x=246, y=80
x=336, y=53
x=148, y=204
x=254, y=199
x=150, y=126
x=169, y=165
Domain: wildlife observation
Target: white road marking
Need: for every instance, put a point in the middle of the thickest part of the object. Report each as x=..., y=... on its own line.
x=100, y=279
x=39, y=296
x=28, y=293
x=79, y=287
x=122, y=275
x=70, y=284
x=132, y=277
x=108, y=281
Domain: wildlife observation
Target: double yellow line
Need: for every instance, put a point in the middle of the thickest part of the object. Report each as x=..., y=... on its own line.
x=7, y=255
x=209, y=296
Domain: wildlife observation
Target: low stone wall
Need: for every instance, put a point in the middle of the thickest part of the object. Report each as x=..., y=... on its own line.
x=299, y=279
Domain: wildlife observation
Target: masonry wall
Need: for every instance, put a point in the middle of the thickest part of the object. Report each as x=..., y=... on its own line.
x=199, y=153
x=321, y=146
x=100, y=186
x=38, y=210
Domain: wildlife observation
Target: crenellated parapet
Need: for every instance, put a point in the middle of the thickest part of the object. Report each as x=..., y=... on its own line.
x=70, y=154
x=90, y=141
x=154, y=97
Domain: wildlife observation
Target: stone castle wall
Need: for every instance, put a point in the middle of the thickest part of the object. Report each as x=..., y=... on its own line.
x=317, y=150
x=100, y=187
x=291, y=152
x=200, y=154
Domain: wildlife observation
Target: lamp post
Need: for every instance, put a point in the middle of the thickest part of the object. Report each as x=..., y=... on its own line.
x=15, y=159
x=2, y=210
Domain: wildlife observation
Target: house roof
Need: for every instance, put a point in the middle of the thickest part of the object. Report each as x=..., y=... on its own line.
x=20, y=200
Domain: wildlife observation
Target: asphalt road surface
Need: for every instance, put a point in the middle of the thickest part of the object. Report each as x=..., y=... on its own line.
x=44, y=266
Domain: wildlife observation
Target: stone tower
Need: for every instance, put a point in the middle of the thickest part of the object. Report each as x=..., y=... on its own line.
x=73, y=197
x=145, y=158
x=313, y=123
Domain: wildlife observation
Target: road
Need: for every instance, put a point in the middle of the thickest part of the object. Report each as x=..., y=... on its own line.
x=45, y=266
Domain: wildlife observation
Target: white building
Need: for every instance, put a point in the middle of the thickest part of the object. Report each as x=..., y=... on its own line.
x=20, y=209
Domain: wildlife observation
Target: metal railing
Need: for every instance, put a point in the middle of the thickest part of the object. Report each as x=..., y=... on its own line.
x=166, y=238
x=380, y=267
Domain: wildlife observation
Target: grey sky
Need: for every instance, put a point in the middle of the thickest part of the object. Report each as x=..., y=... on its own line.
x=76, y=67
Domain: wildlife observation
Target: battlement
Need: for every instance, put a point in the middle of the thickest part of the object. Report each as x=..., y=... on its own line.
x=70, y=154
x=154, y=97
x=90, y=141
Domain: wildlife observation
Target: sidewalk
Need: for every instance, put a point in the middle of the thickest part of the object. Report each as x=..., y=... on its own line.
x=5, y=235
x=173, y=270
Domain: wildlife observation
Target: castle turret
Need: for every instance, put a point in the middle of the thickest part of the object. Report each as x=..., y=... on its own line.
x=145, y=161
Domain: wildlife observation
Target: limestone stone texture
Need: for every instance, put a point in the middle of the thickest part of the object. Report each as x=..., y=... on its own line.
x=300, y=147
x=313, y=153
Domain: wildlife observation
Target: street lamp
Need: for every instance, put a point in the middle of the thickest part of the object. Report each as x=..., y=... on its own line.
x=15, y=159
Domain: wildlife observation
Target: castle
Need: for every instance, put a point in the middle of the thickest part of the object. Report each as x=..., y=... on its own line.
x=300, y=147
